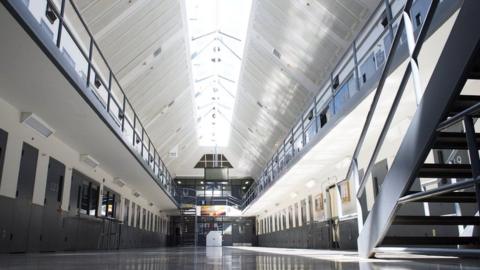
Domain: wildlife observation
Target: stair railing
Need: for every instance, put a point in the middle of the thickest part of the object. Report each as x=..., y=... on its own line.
x=412, y=70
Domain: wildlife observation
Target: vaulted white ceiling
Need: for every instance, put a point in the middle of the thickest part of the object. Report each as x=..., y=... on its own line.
x=147, y=45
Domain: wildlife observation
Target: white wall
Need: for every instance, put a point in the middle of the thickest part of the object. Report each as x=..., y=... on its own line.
x=53, y=147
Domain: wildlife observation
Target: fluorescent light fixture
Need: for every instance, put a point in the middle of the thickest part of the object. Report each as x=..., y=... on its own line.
x=89, y=160
x=119, y=182
x=310, y=184
x=218, y=29
x=35, y=122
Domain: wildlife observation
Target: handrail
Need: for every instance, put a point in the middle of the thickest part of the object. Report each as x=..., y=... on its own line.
x=290, y=141
x=438, y=191
x=459, y=117
x=148, y=153
x=414, y=52
x=309, y=124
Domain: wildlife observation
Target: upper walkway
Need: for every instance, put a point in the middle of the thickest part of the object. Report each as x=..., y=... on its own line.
x=339, y=109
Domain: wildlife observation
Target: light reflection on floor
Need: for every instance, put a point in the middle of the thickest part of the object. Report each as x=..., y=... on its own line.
x=226, y=258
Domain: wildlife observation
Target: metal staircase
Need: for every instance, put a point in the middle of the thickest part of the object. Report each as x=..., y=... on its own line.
x=427, y=201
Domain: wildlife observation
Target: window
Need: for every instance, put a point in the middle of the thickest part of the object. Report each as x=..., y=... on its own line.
x=132, y=220
x=323, y=117
x=310, y=208
x=290, y=217
x=144, y=219
x=88, y=192
x=303, y=211
x=319, y=202
x=344, y=189
x=161, y=225
x=138, y=216
x=126, y=212
x=151, y=222
x=109, y=203
x=295, y=213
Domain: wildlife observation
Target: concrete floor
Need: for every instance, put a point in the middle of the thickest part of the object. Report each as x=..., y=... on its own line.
x=225, y=258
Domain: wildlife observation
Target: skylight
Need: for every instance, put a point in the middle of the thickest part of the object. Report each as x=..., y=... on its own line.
x=217, y=34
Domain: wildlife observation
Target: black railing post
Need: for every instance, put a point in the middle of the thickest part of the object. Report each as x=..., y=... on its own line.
x=141, y=143
x=60, y=23
x=123, y=112
x=134, y=130
x=473, y=153
x=355, y=64
x=90, y=52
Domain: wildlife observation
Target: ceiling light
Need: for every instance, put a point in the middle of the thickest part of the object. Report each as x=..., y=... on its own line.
x=119, y=182
x=293, y=195
x=179, y=182
x=35, y=122
x=244, y=187
x=90, y=161
x=246, y=182
x=310, y=184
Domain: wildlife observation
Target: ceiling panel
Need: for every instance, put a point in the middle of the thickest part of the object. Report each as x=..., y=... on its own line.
x=146, y=43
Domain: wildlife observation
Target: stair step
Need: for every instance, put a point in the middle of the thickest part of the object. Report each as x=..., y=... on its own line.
x=463, y=102
x=428, y=240
x=430, y=170
x=452, y=197
x=453, y=140
x=475, y=72
x=436, y=220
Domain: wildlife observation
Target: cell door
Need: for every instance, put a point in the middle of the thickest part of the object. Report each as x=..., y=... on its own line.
x=6, y=209
x=52, y=229
x=333, y=199
x=23, y=201
x=3, y=146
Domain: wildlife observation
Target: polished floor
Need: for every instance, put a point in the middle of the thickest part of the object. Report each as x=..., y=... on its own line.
x=226, y=258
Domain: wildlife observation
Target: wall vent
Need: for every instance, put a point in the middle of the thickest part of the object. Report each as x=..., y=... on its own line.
x=35, y=122
x=173, y=153
x=90, y=161
x=157, y=52
x=276, y=53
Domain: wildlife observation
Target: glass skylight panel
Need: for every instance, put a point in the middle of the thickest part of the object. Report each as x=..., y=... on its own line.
x=217, y=31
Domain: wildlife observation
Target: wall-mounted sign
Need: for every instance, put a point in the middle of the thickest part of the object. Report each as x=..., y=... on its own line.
x=212, y=210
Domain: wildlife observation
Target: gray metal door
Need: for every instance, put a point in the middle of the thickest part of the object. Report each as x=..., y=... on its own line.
x=3, y=146
x=5, y=203
x=52, y=229
x=23, y=201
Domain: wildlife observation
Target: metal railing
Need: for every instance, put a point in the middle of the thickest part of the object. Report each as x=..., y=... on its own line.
x=188, y=196
x=61, y=22
x=357, y=71
x=412, y=70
